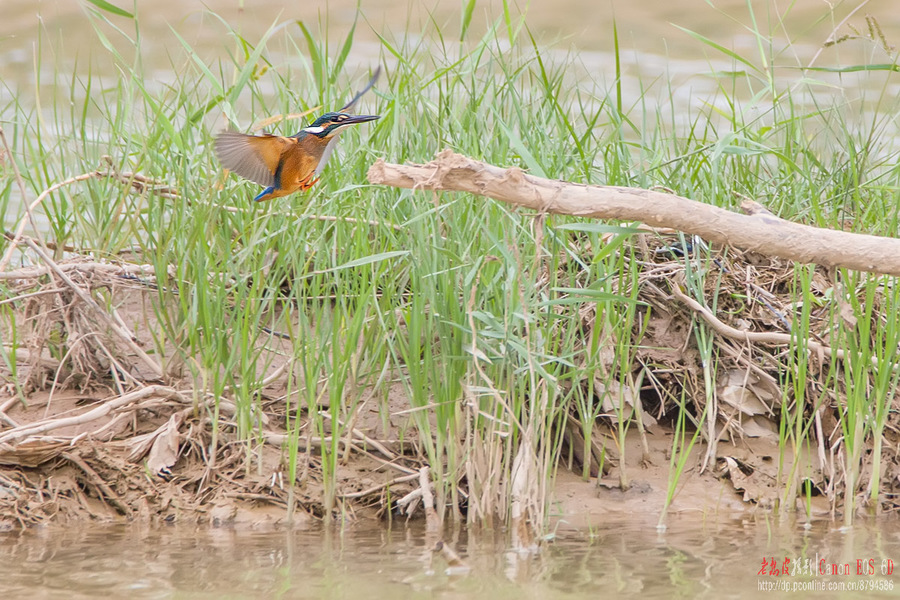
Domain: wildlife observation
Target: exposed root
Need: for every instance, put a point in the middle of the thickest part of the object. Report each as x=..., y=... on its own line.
x=97, y=482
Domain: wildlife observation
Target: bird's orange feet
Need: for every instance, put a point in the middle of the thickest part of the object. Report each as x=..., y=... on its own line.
x=308, y=182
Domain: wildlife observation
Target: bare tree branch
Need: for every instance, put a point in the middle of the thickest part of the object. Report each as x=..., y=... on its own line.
x=760, y=232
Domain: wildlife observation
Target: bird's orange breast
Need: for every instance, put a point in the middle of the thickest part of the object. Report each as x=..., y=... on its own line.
x=298, y=164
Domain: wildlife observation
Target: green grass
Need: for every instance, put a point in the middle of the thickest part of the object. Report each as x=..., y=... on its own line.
x=450, y=295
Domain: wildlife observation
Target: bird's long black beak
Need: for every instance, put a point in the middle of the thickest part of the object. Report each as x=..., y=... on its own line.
x=352, y=119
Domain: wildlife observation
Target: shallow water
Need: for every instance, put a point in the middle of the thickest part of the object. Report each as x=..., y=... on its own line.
x=690, y=559
x=655, y=49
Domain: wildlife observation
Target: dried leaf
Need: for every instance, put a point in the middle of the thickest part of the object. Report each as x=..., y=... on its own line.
x=164, y=452
x=30, y=453
x=743, y=399
x=760, y=427
x=848, y=316
x=745, y=392
x=612, y=394
x=751, y=484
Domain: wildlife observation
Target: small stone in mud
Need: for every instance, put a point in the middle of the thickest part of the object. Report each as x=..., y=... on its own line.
x=636, y=487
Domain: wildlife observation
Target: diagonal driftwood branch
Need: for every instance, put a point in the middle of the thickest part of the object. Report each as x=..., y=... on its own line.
x=760, y=232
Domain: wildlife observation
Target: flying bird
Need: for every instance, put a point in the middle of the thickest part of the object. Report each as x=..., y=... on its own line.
x=284, y=165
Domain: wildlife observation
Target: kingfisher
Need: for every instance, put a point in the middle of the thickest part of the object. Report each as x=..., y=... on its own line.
x=284, y=165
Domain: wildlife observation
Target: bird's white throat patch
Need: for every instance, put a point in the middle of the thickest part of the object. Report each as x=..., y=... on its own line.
x=314, y=130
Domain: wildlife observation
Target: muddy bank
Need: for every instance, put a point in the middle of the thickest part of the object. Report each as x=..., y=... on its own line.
x=103, y=477
x=96, y=428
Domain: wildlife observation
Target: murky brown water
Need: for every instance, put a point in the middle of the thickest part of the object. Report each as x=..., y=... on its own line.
x=653, y=47
x=691, y=559
x=585, y=24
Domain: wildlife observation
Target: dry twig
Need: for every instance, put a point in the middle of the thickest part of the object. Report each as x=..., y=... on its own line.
x=136, y=181
x=104, y=316
x=759, y=337
x=97, y=481
x=380, y=487
x=91, y=415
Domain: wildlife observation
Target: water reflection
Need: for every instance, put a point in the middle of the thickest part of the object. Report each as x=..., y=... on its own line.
x=691, y=559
